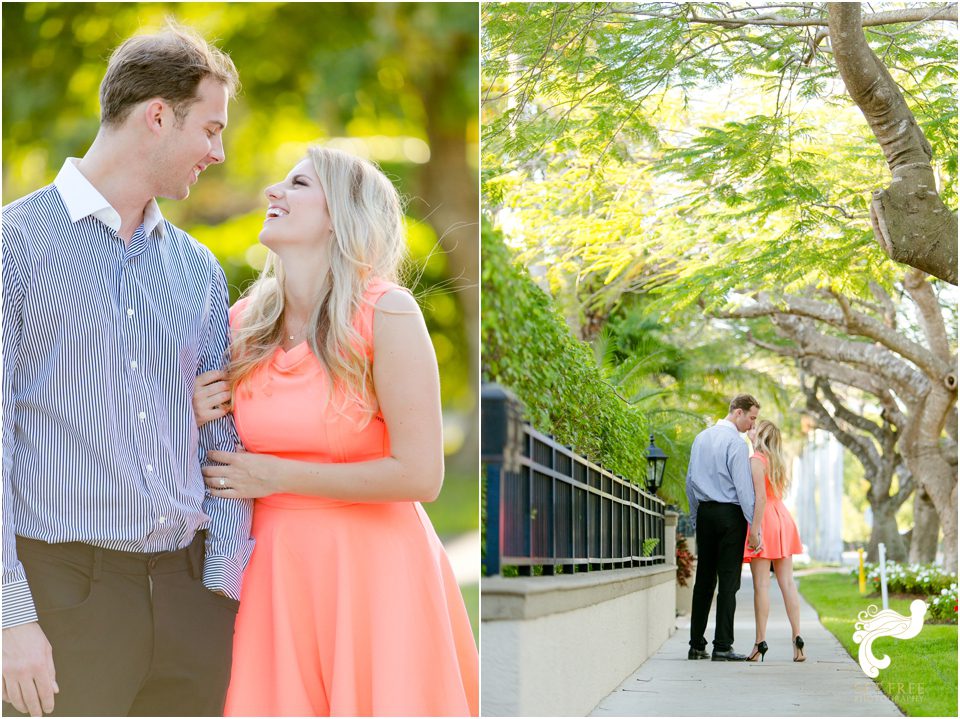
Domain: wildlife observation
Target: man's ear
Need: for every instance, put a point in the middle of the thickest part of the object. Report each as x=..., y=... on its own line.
x=156, y=115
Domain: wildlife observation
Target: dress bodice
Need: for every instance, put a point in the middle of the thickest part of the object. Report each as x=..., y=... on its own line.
x=286, y=407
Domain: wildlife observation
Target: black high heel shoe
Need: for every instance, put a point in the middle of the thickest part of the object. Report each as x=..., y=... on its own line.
x=798, y=644
x=760, y=649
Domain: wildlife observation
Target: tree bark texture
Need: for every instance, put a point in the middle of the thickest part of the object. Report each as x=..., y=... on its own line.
x=874, y=446
x=926, y=530
x=910, y=221
x=885, y=530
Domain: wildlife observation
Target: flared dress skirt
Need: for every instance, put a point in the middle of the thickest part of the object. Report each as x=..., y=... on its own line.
x=347, y=608
x=350, y=610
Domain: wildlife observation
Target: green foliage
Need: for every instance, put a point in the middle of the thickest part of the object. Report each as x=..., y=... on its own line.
x=653, y=170
x=943, y=606
x=529, y=349
x=929, y=581
x=633, y=148
x=648, y=546
x=681, y=374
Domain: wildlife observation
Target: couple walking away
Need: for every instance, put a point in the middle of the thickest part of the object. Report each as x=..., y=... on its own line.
x=130, y=513
x=736, y=504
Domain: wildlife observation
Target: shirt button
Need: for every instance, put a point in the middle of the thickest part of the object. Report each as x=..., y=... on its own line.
x=149, y=467
x=142, y=415
x=133, y=364
x=161, y=520
x=129, y=312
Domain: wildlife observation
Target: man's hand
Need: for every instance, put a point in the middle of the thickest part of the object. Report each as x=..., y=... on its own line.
x=754, y=541
x=29, y=677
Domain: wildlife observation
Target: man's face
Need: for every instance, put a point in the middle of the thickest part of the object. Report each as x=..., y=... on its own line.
x=745, y=420
x=188, y=148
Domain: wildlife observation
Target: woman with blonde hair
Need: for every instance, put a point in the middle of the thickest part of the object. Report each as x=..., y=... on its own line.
x=780, y=539
x=349, y=605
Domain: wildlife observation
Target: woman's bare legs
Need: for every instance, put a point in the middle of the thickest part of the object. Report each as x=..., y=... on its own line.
x=760, y=568
x=783, y=568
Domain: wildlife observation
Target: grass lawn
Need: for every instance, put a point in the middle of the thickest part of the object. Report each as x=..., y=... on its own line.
x=471, y=597
x=457, y=509
x=922, y=676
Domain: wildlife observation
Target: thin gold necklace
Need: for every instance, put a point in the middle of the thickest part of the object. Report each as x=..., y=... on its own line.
x=301, y=332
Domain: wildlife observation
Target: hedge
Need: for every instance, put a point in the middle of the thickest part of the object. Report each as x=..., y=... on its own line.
x=529, y=349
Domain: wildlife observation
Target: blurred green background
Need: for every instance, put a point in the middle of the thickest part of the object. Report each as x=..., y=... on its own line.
x=397, y=83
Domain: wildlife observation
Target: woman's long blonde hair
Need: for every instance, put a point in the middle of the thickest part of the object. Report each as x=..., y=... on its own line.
x=769, y=445
x=368, y=241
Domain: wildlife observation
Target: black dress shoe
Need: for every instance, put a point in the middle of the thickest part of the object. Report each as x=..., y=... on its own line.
x=697, y=654
x=728, y=656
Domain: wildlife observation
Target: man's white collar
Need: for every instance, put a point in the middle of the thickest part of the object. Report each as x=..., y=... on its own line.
x=727, y=423
x=82, y=199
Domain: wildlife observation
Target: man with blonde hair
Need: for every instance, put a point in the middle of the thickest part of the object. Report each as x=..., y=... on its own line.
x=722, y=500
x=121, y=576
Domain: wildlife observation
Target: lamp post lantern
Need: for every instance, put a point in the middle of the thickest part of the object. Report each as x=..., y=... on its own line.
x=656, y=463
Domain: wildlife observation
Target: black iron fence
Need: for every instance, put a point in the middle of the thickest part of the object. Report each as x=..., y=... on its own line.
x=548, y=506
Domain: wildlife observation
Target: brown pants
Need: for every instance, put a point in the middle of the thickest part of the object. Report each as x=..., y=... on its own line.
x=132, y=634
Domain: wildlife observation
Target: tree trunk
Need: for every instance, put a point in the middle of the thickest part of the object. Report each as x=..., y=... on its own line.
x=885, y=530
x=940, y=482
x=926, y=530
x=910, y=221
x=448, y=185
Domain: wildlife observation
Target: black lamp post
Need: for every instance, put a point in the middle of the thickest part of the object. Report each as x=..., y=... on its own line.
x=656, y=463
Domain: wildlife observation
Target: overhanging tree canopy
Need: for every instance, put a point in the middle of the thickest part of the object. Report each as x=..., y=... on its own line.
x=735, y=105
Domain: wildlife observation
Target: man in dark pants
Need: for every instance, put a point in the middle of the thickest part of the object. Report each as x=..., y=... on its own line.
x=722, y=500
x=121, y=576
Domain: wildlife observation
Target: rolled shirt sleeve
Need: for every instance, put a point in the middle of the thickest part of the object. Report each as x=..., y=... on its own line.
x=229, y=544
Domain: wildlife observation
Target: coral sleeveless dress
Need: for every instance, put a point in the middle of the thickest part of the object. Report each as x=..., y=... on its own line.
x=780, y=536
x=347, y=609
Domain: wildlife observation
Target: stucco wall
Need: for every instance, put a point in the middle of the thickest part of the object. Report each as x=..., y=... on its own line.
x=555, y=646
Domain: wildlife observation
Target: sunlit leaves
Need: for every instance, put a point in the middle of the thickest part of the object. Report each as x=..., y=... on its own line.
x=756, y=167
x=310, y=72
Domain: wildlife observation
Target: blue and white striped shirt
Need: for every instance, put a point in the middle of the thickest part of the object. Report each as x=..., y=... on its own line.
x=102, y=343
x=719, y=470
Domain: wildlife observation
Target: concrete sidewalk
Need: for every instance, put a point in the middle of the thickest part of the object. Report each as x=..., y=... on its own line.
x=829, y=683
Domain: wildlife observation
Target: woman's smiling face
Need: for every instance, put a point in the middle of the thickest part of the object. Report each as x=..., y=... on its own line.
x=297, y=210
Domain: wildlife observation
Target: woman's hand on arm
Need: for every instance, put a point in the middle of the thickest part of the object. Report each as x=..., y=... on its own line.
x=407, y=385
x=210, y=395
x=241, y=474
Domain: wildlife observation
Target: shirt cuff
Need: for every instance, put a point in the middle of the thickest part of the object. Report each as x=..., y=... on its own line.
x=18, y=607
x=222, y=574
